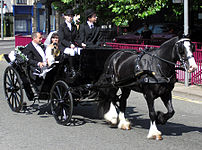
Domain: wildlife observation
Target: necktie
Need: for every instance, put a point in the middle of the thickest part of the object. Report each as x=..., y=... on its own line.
x=91, y=26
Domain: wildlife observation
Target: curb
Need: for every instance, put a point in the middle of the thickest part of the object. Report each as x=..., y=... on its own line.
x=193, y=90
x=7, y=39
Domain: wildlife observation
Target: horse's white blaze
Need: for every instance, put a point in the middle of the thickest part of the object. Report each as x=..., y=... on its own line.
x=153, y=131
x=192, y=64
x=123, y=122
x=111, y=115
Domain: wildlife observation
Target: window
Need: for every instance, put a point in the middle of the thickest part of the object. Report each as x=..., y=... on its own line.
x=21, y=25
x=21, y=1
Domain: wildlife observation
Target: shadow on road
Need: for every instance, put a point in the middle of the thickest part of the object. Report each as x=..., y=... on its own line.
x=169, y=129
x=89, y=114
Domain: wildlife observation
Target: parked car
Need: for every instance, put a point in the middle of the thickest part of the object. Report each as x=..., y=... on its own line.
x=160, y=33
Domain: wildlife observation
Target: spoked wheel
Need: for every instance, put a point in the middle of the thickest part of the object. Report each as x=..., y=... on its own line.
x=13, y=89
x=61, y=102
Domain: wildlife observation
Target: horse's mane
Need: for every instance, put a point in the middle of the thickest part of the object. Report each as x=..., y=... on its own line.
x=165, y=45
x=170, y=42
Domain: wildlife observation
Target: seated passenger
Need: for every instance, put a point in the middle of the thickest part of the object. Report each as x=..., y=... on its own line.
x=52, y=50
x=89, y=33
x=36, y=56
x=48, y=41
x=35, y=52
x=36, y=60
x=67, y=39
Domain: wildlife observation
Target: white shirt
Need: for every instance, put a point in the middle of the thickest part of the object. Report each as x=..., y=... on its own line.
x=40, y=51
x=69, y=25
x=91, y=25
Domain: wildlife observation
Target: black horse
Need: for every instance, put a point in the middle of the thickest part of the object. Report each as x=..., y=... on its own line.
x=151, y=72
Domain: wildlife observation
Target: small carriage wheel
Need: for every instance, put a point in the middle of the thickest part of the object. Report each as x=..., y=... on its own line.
x=61, y=102
x=13, y=89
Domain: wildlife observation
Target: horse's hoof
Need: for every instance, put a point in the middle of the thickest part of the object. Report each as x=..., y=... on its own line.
x=124, y=125
x=112, y=121
x=156, y=137
x=159, y=137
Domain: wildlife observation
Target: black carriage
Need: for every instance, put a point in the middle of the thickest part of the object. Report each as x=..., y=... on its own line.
x=57, y=86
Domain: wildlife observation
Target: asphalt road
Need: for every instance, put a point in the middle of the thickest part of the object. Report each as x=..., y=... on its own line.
x=37, y=130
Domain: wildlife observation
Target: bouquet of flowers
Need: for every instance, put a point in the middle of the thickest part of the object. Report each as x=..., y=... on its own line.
x=17, y=56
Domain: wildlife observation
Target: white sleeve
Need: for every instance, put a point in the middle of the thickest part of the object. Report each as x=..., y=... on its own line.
x=49, y=56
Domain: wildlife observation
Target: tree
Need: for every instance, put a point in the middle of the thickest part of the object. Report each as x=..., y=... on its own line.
x=121, y=12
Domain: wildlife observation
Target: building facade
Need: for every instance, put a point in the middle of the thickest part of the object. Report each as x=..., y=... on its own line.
x=26, y=16
x=7, y=17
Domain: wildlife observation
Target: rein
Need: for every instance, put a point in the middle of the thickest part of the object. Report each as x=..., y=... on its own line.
x=162, y=59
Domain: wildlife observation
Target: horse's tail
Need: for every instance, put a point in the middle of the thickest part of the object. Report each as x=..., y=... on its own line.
x=104, y=84
x=103, y=105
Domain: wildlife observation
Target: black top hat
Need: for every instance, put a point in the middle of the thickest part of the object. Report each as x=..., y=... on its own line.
x=69, y=12
x=89, y=12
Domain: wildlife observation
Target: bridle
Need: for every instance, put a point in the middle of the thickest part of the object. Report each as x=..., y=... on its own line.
x=181, y=50
x=183, y=65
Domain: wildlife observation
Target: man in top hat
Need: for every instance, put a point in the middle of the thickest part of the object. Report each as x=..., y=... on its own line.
x=67, y=36
x=67, y=31
x=89, y=33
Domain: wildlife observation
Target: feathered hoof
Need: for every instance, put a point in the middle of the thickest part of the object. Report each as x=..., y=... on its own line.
x=112, y=121
x=124, y=125
x=155, y=137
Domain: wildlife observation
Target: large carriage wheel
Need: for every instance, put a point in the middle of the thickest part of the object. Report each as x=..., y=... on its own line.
x=61, y=102
x=13, y=89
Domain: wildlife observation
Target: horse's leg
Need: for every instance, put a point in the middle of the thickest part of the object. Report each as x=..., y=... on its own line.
x=123, y=122
x=154, y=133
x=167, y=100
x=111, y=115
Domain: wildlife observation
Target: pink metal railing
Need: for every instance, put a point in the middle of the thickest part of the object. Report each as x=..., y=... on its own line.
x=195, y=77
x=130, y=46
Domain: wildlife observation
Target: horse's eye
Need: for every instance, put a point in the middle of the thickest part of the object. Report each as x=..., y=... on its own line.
x=193, y=47
x=181, y=48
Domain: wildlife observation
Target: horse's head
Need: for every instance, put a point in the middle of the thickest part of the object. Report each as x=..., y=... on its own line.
x=185, y=49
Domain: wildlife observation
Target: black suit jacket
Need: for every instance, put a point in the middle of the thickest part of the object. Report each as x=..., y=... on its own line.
x=34, y=57
x=91, y=37
x=32, y=54
x=67, y=37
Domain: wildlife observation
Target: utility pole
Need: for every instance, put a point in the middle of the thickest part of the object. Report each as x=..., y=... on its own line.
x=186, y=32
x=2, y=23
